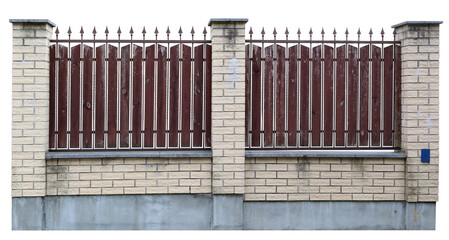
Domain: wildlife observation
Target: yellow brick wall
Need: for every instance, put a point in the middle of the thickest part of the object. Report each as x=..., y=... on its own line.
x=324, y=179
x=128, y=176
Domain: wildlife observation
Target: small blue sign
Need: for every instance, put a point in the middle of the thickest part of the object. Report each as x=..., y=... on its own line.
x=425, y=155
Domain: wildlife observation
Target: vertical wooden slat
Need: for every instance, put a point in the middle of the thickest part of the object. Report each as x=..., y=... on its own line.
x=388, y=97
x=198, y=96
x=280, y=96
x=185, y=98
x=328, y=94
x=247, y=94
x=124, y=96
x=352, y=95
x=376, y=85
x=292, y=120
x=364, y=94
x=268, y=96
x=99, y=96
x=340, y=93
x=161, y=95
x=256, y=98
x=316, y=96
x=208, y=94
x=75, y=96
x=52, y=105
x=87, y=97
x=62, y=97
x=137, y=96
x=304, y=97
x=397, y=96
x=174, y=86
x=149, y=95
x=112, y=96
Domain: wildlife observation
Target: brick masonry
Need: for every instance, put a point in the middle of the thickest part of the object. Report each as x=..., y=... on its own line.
x=420, y=107
x=30, y=107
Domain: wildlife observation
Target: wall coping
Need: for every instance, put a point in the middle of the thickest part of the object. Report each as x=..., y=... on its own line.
x=130, y=154
x=33, y=21
x=416, y=23
x=325, y=153
x=226, y=20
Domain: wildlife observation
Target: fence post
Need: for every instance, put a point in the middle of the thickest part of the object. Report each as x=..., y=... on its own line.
x=228, y=105
x=420, y=111
x=30, y=105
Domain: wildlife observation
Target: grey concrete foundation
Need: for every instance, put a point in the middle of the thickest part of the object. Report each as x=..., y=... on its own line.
x=204, y=212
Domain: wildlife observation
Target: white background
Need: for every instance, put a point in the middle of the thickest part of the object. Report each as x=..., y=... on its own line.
x=175, y=13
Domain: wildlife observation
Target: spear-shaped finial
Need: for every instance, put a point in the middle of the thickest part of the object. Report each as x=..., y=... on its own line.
x=82, y=31
x=70, y=31
x=263, y=31
x=274, y=32
x=131, y=31
x=298, y=32
x=346, y=32
x=334, y=32
x=168, y=31
x=144, y=31
x=250, y=30
x=180, y=31
x=57, y=31
x=192, y=31
x=310, y=32
x=370, y=31
x=119, y=31
x=286, y=31
x=156, y=31
x=358, y=32
x=204, y=31
x=382, y=32
x=106, y=31
x=94, y=31
x=322, y=31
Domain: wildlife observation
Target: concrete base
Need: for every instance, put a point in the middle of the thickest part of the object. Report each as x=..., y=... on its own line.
x=202, y=212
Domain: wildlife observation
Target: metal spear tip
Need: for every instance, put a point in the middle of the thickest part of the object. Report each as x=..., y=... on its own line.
x=310, y=32
x=204, y=31
x=94, y=31
x=274, y=31
x=358, y=32
x=335, y=32
x=298, y=32
x=251, y=30
x=382, y=32
x=82, y=31
x=394, y=32
x=322, y=31
x=347, y=32
x=131, y=31
x=168, y=31
x=106, y=31
x=286, y=31
x=263, y=31
x=192, y=31
x=70, y=31
x=144, y=31
x=57, y=30
x=119, y=31
x=180, y=31
x=156, y=31
x=370, y=31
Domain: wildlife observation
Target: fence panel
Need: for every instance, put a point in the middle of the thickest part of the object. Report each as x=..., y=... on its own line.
x=340, y=97
x=137, y=97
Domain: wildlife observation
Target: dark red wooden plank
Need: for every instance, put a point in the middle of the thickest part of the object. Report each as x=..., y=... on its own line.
x=328, y=94
x=316, y=96
x=208, y=93
x=280, y=96
x=388, y=97
x=247, y=94
x=174, y=91
x=292, y=118
x=112, y=96
x=149, y=95
x=198, y=97
x=268, y=96
x=340, y=93
x=397, y=96
x=376, y=85
x=87, y=97
x=100, y=75
x=256, y=96
x=304, y=97
x=62, y=97
x=352, y=95
x=75, y=80
x=364, y=95
x=124, y=96
x=185, y=98
x=137, y=96
x=52, y=110
x=161, y=95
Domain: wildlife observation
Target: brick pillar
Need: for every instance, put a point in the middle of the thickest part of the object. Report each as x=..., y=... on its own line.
x=228, y=105
x=420, y=110
x=30, y=105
